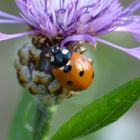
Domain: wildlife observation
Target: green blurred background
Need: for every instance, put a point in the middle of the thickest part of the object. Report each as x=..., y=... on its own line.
x=112, y=68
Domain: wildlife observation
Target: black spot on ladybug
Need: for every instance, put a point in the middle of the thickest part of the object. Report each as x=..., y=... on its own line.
x=92, y=75
x=81, y=73
x=67, y=68
x=69, y=83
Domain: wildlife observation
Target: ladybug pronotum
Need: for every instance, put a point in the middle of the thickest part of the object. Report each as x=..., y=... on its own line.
x=74, y=71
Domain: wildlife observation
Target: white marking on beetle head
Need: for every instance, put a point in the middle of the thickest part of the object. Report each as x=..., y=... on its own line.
x=65, y=51
x=57, y=48
x=52, y=50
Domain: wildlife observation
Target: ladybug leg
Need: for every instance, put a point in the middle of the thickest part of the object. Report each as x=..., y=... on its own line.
x=82, y=50
x=69, y=95
x=81, y=43
x=76, y=48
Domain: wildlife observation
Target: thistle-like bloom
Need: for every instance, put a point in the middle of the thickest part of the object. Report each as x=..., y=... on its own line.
x=65, y=23
x=75, y=20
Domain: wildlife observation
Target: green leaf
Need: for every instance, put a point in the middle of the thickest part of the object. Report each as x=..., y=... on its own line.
x=22, y=124
x=100, y=112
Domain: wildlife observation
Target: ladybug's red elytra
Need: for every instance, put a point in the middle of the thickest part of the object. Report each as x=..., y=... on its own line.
x=74, y=71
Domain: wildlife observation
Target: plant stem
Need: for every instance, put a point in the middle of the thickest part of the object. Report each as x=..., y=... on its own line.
x=44, y=113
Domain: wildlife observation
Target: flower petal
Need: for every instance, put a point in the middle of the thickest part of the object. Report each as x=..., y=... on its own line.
x=11, y=17
x=132, y=7
x=137, y=37
x=135, y=52
x=79, y=37
x=7, y=21
x=4, y=36
x=130, y=24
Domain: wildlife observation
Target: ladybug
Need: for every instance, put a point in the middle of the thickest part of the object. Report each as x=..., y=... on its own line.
x=73, y=70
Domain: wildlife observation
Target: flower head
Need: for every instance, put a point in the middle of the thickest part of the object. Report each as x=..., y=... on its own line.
x=62, y=21
x=75, y=20
x=63, y=17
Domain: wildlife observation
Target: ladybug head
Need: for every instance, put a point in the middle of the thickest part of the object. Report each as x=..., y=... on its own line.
x=59, y=56
x=55, y=50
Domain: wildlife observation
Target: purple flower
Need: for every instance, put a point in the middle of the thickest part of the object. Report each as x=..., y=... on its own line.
x=75, y=20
